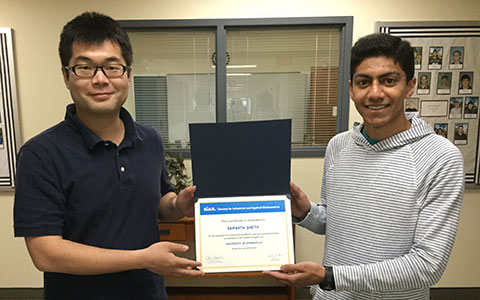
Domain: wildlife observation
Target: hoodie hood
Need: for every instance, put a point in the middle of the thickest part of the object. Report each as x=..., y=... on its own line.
x=418, y=130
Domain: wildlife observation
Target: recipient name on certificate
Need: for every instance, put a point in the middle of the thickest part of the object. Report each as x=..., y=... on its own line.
x=235, y=234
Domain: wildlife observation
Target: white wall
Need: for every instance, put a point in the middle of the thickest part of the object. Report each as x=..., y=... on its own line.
x=42, y=97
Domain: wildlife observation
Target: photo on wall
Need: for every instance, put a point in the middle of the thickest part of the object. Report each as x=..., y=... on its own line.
x=456, y=58
x=441, y=129
x=470, y=111
x=423, y=86
x=417, y=54
x=465, y=83
x=456, y=104
x=435, y=57
x=461, y=134
x=412, y=107
x=444, y=83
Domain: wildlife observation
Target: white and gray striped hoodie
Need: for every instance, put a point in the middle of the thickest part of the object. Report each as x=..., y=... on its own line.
x=389, y=212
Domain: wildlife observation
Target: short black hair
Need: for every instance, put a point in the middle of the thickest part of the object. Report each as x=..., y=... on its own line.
x=382, y=44
x=93, y=28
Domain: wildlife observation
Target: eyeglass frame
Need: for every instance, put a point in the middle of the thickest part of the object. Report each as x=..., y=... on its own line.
x=72, y=69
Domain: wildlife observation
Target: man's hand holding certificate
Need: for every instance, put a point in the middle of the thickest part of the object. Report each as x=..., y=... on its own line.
x=242, y=210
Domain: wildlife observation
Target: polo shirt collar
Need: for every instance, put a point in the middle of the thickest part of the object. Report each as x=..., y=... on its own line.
x=90, y=139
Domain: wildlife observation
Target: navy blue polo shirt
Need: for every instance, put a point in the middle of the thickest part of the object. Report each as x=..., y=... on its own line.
x=71, y=183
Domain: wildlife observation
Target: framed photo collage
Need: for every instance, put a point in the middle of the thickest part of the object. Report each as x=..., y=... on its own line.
x=447, y=90
x=440, y=72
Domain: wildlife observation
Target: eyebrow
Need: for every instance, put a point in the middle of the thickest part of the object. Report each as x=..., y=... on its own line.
x=108, y=59
x=381, y=76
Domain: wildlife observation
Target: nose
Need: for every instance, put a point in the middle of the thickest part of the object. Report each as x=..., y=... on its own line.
x=376, y=90
x=99, y=77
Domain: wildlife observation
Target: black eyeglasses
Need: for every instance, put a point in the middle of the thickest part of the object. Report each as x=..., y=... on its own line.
x=89, y=71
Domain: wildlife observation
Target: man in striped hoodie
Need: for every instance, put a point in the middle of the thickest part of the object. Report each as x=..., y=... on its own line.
x=391, y=190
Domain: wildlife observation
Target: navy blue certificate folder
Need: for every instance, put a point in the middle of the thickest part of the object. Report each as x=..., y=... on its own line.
x=241, y=159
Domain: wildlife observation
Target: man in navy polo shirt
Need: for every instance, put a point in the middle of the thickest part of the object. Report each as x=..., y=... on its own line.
x=90, y=189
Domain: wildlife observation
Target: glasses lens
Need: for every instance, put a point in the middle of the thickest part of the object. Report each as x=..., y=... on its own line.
x=113, y=70
x=83, y=70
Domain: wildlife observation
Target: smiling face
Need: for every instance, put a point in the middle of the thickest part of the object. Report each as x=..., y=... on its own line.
x=378, y=89
x=100, y=95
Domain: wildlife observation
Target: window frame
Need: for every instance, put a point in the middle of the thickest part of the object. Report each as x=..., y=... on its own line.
x=220, y=27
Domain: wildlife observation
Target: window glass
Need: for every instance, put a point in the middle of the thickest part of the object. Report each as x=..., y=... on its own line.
x=278, y=69
x=285, y=73
x=173, y=81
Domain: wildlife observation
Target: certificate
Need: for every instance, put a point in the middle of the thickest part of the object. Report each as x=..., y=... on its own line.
x=236, y=234
x=242, y=211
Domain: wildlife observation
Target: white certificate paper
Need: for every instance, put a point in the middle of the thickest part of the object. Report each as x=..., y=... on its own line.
x=236, y=234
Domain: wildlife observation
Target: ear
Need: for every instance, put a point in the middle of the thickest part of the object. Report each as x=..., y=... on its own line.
x=411, y=86
x=129, y=76
x=129, y=73
x=350, y=88
x=65, y=76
